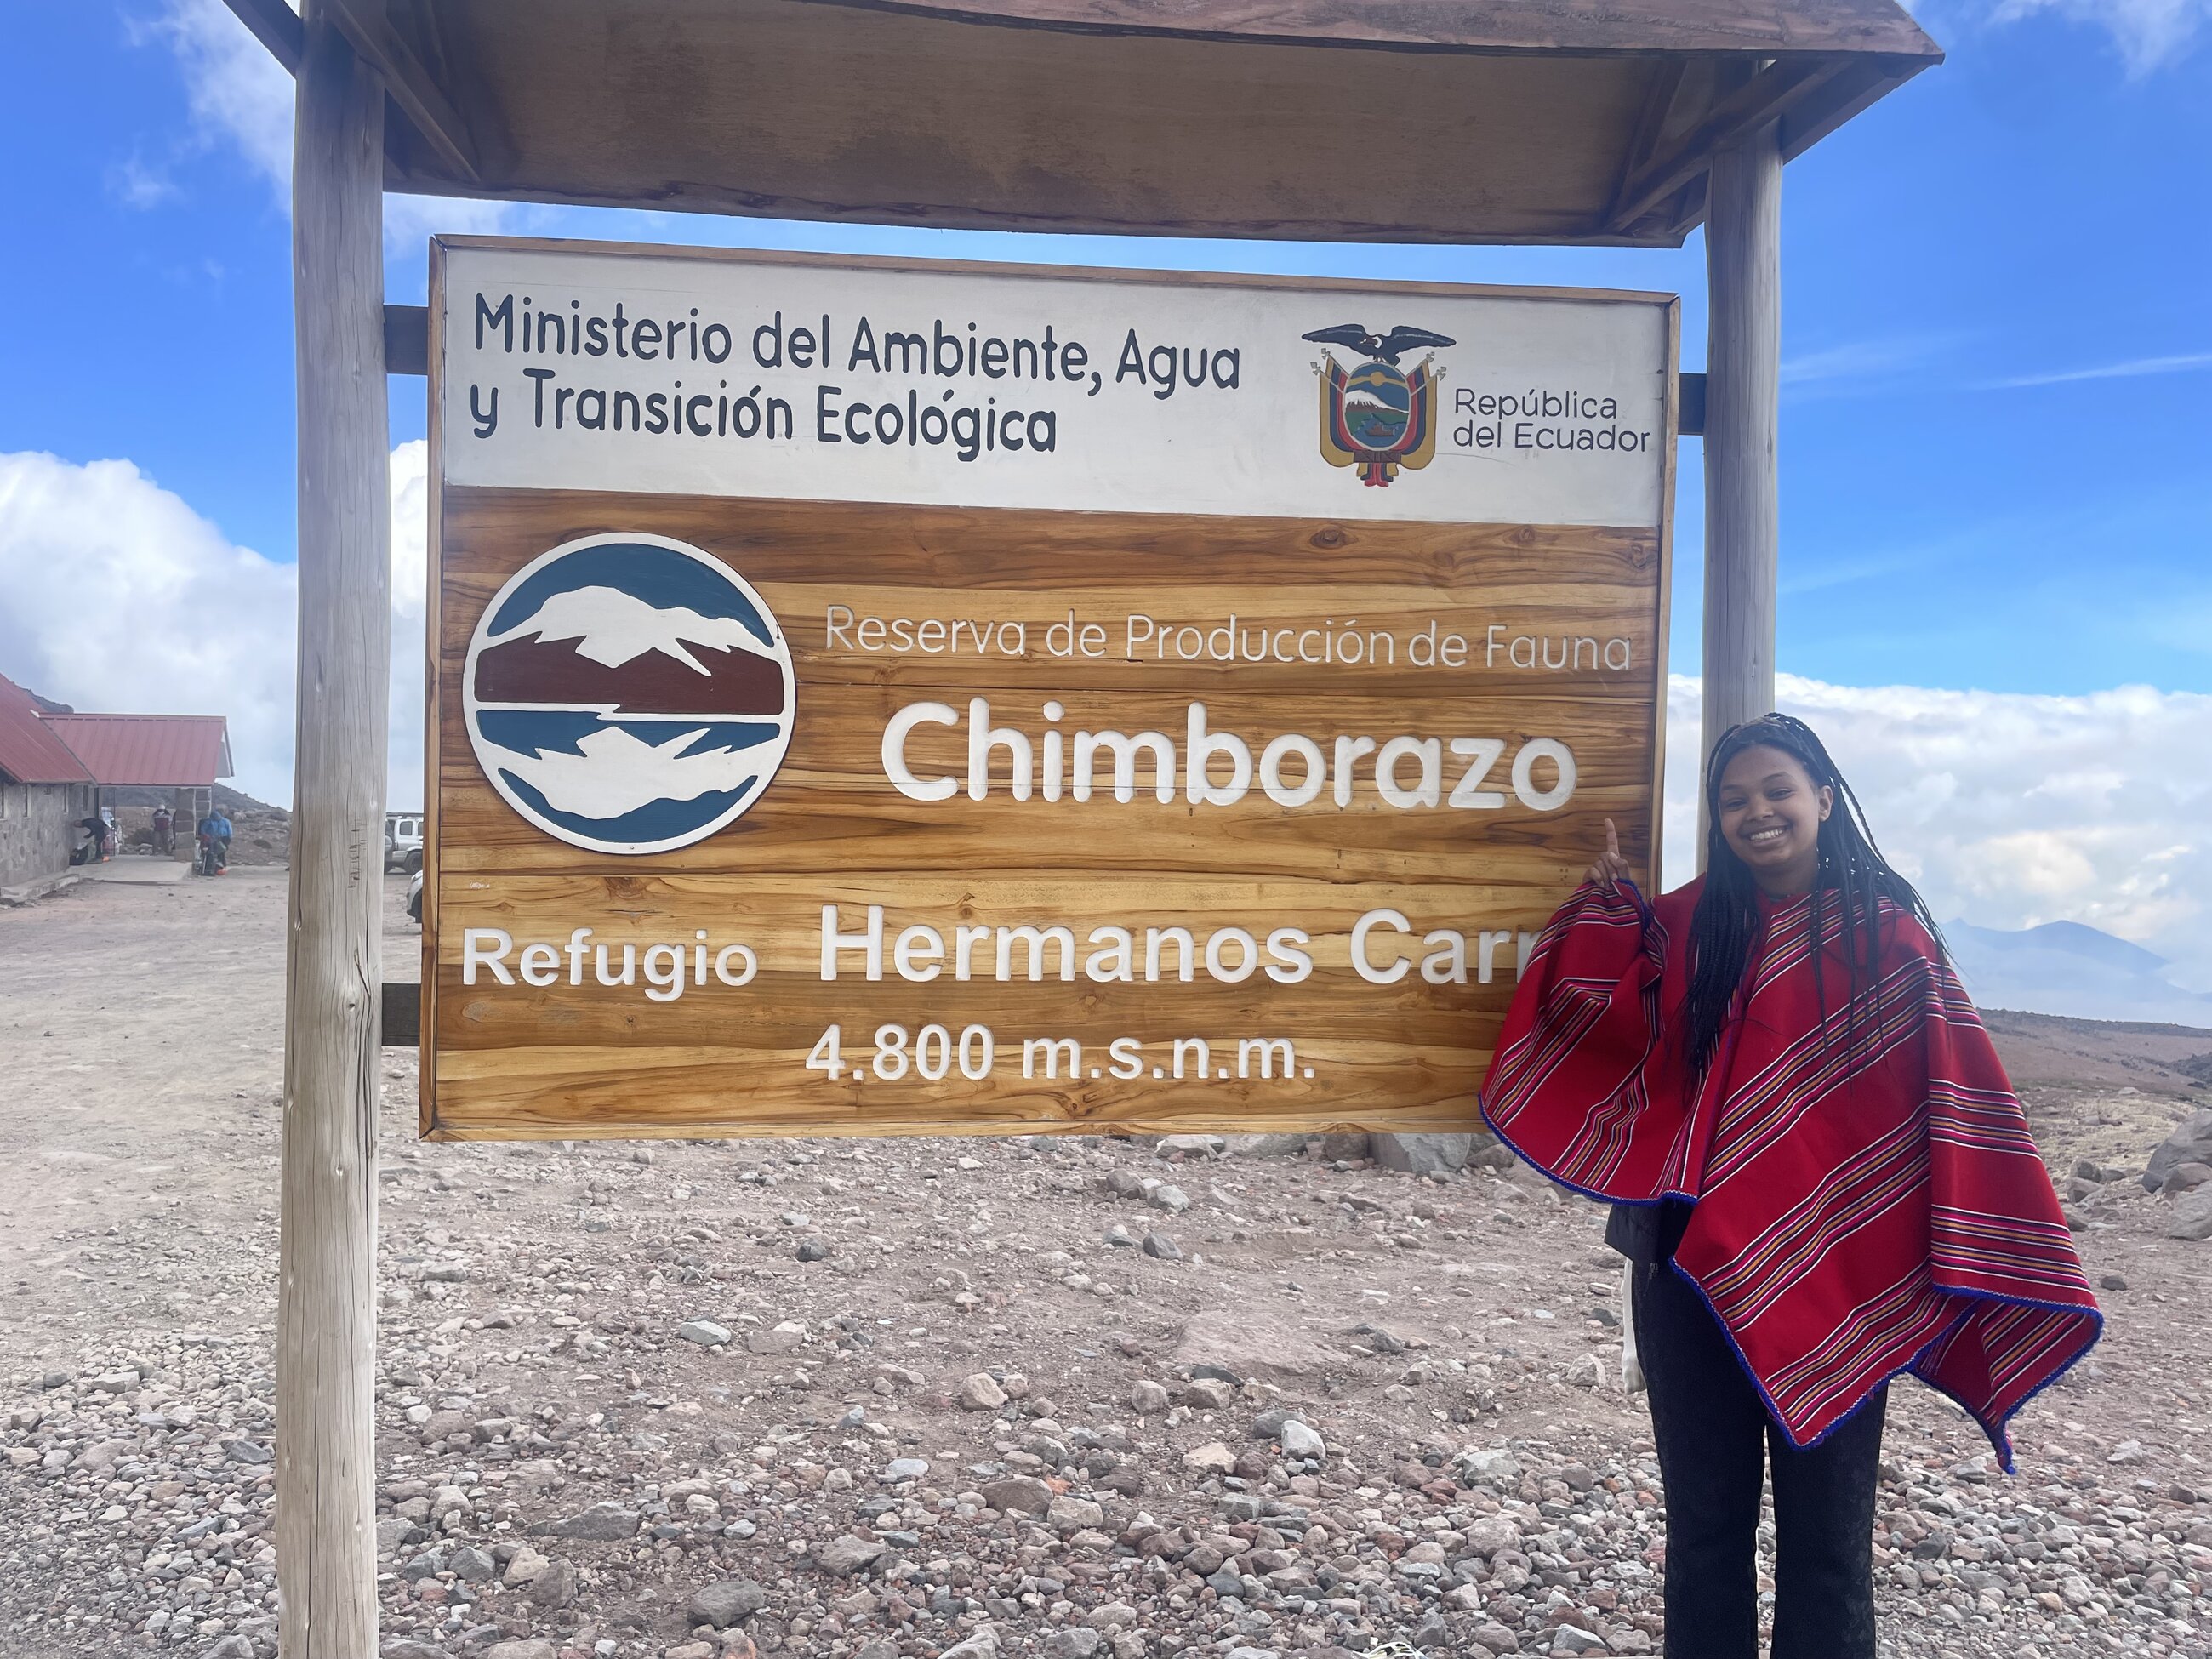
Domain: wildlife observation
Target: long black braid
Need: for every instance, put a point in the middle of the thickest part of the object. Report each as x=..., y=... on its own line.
x=1853, y=875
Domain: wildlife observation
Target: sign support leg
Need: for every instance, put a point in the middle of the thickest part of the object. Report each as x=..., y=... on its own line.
x=326, y=1321
x=1743, y=254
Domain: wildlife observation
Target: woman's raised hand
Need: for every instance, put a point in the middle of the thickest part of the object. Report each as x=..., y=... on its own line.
x=1611, y=868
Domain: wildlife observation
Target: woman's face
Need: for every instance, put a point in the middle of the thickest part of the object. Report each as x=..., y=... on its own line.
x=1770, y=817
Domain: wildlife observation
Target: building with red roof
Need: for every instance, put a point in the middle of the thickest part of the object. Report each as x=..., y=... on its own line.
x=54, y=765
x=45, y=789
x=159, y=751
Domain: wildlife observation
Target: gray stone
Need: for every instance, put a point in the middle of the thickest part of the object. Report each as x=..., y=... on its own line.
x=1018, y=1494
x=1067, y=1515
x=1496, y=1638
x=2192, y=1216
x=554, y=1587
x=2189, y=1143
x=529, y=1647
x=1476, y=1466
x=983, y=1644
x=1251, y=1340
x=602, y=1523
x=776, y=1339
x=232, y=1647
x=1171, y=1198
x=906, y=1469
x=1113, y=1616
x=1225, y=1580
x=1300, y=1440
x=705, y=1332
x=1345, y=1146
x=1423, y=1155
x=1148, y=1397
x=406, y=1647
x=1486, y=1535
x=979, y=1392
x=1190, y=1146
x=1075, y=1643
x=1161, y=1248
x=813, y=1249
x=727, y=1603
x=471, y=1565
x=849, y=1555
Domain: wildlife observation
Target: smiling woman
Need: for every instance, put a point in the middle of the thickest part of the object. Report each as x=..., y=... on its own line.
x=1818, y=1167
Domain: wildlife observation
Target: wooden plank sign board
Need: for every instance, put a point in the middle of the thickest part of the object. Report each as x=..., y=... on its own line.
x=875, y=697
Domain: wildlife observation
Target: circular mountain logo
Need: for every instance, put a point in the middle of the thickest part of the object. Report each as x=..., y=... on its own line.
x=628, y=694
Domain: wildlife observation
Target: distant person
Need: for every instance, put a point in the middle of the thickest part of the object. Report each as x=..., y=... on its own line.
x=214, y=842
x=94, y=829
x=1820, y=1174
x=165, y=832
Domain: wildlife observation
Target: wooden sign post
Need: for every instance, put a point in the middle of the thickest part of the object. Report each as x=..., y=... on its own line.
x=881, y=698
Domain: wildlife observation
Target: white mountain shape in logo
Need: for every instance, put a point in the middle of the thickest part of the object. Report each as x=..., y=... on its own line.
x=612, y=627
x=618, y=773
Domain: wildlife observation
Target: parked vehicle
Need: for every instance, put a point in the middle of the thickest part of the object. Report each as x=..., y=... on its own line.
x=415, y=897
x=403, y=841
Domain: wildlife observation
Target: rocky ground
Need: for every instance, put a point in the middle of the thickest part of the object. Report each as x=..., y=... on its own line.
x=1076, y=1399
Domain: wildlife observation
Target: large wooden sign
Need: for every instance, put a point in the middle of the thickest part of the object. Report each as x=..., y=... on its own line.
x=870, y=697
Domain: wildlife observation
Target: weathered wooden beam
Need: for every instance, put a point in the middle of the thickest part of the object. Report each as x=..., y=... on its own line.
x=1743, y=364
x=1650, y=127
x=326, y=1298
x=407, y=340
x=1842, y=96
x=275, y=25
x=1690, y=405
x=411, y=86
x=1756, y=103
x=403, y=1013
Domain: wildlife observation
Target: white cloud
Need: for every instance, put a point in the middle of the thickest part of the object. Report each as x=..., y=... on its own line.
x=2011, y=810
x=242, y=97
x=2007, y=809
x=1860, y=364
x=410, y=570
x=2150, y=35
x=2178, y=363
x=236, y=91
x=115, y=596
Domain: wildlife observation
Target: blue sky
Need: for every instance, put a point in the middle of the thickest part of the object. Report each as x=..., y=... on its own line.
x=1996, y=449
x=1957, y=511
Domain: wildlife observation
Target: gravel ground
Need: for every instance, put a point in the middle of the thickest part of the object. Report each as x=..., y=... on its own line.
x=1073, y=1399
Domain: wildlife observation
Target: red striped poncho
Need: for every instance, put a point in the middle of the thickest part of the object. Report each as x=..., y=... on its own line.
x=1868, y=1199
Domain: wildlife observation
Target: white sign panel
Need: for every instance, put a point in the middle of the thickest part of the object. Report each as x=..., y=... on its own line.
x=589, y=367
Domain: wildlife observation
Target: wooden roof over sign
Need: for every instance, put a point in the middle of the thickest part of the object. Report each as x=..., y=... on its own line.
x=1397, y=120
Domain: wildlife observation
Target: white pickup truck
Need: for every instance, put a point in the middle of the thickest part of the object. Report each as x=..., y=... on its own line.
x=403, y=841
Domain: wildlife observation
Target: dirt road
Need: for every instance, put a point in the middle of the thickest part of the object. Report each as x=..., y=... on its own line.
x=864, y=1399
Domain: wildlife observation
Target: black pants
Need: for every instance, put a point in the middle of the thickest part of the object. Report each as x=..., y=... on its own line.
x=1714, y=1439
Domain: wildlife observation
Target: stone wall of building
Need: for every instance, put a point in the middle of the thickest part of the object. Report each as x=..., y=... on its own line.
x=38, y=829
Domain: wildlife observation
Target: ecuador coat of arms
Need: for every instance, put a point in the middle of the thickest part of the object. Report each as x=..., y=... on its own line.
x=1375, y=415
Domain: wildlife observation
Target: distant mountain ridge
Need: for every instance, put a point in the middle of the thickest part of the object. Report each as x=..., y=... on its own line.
x=532, y=671
x=2072, y=968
